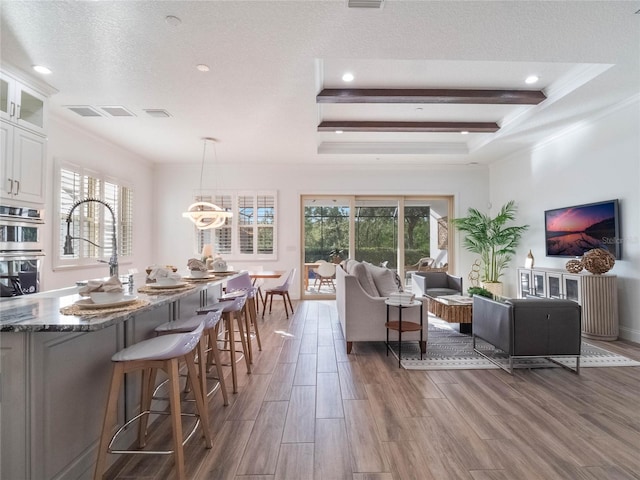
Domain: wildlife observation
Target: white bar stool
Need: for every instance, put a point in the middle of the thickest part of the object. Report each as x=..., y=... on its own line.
x=163, y=352
x=232, y=310
x=208, y=353
x=243, y=283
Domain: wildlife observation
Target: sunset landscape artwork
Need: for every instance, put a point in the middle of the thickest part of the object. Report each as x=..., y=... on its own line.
x=572, y=231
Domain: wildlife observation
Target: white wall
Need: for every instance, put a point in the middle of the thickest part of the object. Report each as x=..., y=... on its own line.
x=68, y=143
x=176, y=185
x=598, y=160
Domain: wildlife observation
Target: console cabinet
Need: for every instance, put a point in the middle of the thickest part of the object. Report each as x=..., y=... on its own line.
x=597, y=294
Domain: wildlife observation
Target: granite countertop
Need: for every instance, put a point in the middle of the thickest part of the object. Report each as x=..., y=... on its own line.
x=41, y=312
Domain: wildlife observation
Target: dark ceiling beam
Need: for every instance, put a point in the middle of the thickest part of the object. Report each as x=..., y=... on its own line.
x=429, y=127
x=408, y=95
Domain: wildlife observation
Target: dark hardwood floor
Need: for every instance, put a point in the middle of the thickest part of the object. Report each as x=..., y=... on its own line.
x=310, y=411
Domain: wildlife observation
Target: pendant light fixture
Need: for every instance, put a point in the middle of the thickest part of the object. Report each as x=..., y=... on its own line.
x=206, y=215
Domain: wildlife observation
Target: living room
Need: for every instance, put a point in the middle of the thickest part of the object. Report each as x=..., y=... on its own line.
x=588, y=155
x=269, y=61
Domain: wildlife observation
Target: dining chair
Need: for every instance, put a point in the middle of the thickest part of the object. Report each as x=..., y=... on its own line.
x=282, y=290
x=324, y=274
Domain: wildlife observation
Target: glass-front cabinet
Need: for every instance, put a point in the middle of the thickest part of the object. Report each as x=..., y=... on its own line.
x=525, y=284
x=539, y=283
x=21, y=104
x=571, y=288
x=554, y=285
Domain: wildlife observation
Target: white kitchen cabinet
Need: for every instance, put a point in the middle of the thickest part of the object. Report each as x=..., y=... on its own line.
x=23, y=159
x=22, y=105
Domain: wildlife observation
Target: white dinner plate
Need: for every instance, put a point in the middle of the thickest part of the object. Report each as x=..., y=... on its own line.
x=221, y=274
x=173, y=285
x=88, y=303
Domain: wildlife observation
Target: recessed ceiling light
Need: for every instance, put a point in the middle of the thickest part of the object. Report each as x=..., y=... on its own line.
x=339, y=132
x=531, y=79
x=348, y=77
x=419, y=109
x=42, y=69
x=202, y=67
x=464, y=132
x=172, y=20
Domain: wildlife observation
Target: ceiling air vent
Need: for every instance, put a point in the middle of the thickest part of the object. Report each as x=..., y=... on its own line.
x=117, y=111
x=365, y=3
x=157, y=113
x=84, y=110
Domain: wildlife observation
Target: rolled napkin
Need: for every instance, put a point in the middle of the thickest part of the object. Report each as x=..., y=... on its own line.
x=195, y=264
x=160, y=272
x=112, y=285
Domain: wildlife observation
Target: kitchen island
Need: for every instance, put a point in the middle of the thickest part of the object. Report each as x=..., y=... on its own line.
x=55, y=371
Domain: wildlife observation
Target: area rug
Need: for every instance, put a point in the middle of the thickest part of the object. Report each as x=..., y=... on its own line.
x=448, y=349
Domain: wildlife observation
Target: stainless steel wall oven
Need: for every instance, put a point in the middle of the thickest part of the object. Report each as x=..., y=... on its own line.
x=21, y=251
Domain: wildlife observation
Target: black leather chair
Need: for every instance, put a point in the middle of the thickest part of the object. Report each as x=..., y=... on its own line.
x=522, y=328
x=435, y=284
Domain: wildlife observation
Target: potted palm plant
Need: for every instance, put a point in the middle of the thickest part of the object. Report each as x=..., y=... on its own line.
x=336, y=255
x=493, y=240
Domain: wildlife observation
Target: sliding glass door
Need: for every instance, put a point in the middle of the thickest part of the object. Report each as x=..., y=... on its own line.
x=403, y=233
x=326, y=239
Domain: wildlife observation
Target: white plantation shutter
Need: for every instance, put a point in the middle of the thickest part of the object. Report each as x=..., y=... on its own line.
x=251, y=232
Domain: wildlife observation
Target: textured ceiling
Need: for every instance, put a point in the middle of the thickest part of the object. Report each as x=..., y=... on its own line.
x=270, y=59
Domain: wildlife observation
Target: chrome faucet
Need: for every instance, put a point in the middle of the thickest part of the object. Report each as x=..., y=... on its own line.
x=68, y=246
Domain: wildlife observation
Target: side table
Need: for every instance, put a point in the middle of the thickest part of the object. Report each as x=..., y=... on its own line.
x=401, y=326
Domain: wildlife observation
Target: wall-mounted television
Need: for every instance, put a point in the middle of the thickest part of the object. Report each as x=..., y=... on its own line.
x=572, y=231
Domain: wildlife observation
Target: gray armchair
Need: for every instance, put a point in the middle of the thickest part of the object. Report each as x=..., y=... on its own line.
x=536, y=327
x=435, y=284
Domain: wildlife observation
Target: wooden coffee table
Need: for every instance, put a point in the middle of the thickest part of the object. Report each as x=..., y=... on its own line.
x=453, y=309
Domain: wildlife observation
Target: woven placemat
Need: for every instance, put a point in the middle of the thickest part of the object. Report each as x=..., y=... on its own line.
x=85, y=312
x=159, y=291
x=199, y=280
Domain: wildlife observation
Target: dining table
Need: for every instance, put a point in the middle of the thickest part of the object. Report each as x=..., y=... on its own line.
x=263, y=274
x=307, y=267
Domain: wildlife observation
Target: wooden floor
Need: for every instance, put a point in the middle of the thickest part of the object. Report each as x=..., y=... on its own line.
x=310, y=411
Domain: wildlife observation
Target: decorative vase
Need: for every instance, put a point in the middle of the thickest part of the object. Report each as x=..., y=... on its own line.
x=574, y=266
x=528, y=263
x=219, y=265
x=598, y=261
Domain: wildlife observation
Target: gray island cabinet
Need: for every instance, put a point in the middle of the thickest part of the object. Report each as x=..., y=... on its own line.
x=54, y=376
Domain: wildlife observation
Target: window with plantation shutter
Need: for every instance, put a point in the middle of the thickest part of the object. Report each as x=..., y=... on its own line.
x=250, y=233
x=91, y=221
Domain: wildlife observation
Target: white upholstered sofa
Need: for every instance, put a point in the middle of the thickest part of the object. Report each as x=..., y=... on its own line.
x=361, y=291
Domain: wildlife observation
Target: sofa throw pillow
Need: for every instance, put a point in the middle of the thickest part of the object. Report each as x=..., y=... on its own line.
x=365, y=279
x=384, y=279
x=348, y=265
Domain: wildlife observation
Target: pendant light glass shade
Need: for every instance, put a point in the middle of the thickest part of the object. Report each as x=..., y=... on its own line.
x=205, y=215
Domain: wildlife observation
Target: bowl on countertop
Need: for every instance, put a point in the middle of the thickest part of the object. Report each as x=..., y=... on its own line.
x=106, y=297
x=166, y=281
x=199, y=273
